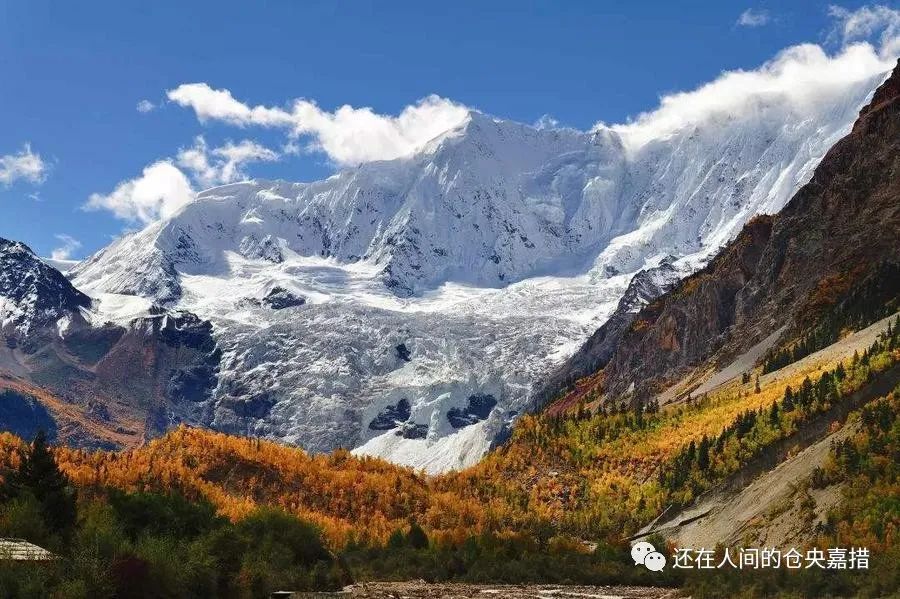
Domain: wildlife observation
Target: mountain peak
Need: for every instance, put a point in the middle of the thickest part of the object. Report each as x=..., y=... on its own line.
x=32, y=293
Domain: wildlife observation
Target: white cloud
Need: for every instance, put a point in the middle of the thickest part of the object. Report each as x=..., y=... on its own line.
x=223, y=164
x=356, y=135
x=234, y=156
x=348, y=135
x=196, y=160
x=754, y=18
x=868, y=22
x=145, y=106
x=24, y=165
x=64, y=251
x=219, y=105
x=291, y=148
x=158, y=193
x=546, y=122
x=799, y=77
x=163, y=187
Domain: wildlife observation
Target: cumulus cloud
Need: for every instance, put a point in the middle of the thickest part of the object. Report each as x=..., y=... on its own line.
x=223, y=164
x=753, y=18
x=219, y=105
x=68, y=245
x=868, y=22
x=145, y=106
x=291, y=148
x=24, y=165
x=167, y=185
x=234, y=156
x=348, y=135
x=355, y=135
x=798, y=77
x=159, y=192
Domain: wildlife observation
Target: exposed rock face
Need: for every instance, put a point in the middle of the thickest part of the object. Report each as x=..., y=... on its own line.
x=279, y=299
x=837, y=231
x=644, y=287
x=163, y=368
x=115, y=386
x=412, y=430
x=24, y=416
x=479, y=407
x=403, y=352
x=264, y=249
x=391, y=416
x=681, y=328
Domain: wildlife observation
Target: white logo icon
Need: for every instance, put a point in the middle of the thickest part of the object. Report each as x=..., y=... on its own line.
x=645, y=554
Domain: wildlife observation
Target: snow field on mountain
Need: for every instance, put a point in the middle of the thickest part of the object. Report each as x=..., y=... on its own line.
x=407, y=308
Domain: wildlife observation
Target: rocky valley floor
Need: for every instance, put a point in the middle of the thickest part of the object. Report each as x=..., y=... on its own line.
x=423, y=590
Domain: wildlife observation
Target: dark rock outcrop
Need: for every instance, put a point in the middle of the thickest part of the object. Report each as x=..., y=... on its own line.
x=279, y=299
x=391, y=416
x=478, y=408
x=261, y=249
x=24, y=416
x=143, y=377
x=257, y=406
x=403, y=352
x=644, y=287
x=412, y=430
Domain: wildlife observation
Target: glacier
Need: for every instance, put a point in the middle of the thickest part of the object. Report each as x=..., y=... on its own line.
x=418, y=301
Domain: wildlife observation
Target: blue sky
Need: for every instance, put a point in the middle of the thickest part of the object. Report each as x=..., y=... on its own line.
x=74, y=73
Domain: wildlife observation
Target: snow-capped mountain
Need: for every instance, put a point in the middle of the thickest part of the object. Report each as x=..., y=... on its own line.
x=92, y=378
x=407, y=308
x=487, y=204
x=33, y=294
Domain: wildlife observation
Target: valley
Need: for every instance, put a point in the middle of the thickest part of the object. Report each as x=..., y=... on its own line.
x=482, y=368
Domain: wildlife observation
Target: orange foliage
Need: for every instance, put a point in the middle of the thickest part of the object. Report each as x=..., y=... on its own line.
x=349, y=497
x=584, y=475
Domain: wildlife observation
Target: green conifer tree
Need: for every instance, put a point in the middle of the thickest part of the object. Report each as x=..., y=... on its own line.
x=39, y=476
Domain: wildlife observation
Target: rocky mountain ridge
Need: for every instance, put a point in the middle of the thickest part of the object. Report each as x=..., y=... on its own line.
x=836, y=235
x=98, y=383
x=32, y=294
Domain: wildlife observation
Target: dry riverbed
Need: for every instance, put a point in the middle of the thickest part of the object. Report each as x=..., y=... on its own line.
x=422, y=590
